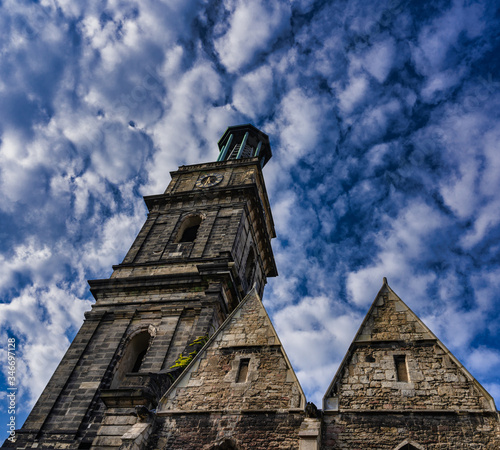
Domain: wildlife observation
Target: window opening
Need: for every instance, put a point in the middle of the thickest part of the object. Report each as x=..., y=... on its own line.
x=246, y=153
x=242, y=371
x=132, y=358
x=250, y=268
x=138, y=361
x=369, y=358
x=401, y=369
x=189, y=229
x=190, y=233
x=226, y=445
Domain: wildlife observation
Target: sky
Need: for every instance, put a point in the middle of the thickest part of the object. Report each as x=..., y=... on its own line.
x=384, y=120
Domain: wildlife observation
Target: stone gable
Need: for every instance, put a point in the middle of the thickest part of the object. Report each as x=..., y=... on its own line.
x=246, y=342
x=389, y=319
x=396, y=363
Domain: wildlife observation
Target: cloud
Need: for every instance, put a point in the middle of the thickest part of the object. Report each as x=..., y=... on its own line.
x=314, y=328
x=299, y=124
x=484, y=360
x=437, y=40
x=353, y=94
x=252, y=94
x=39, y=319
x=399, y=250
x=253, y=29
x=378, y=60
x=383, y=119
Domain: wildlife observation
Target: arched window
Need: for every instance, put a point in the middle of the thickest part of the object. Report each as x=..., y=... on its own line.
x=409, y=445
x=250, y=268
x=227, y=444
x=132, y=358
x=189, y=229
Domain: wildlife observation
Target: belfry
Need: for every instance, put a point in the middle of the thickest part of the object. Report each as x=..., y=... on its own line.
x=178, y=351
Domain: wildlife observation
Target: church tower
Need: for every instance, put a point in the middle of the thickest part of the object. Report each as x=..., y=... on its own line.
x=205, y=245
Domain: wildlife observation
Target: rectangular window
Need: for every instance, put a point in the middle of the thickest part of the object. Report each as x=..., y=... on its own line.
x=401, y=369
x=242, y=371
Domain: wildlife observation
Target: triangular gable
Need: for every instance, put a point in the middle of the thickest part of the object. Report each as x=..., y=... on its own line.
x=391, y=330
x=390, y=319
x=212, y=380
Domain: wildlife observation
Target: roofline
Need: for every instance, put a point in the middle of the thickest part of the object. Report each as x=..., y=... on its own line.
x=214, y=336
x=443, y=347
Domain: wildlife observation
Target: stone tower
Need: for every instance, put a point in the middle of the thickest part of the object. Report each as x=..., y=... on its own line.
x=205, y=244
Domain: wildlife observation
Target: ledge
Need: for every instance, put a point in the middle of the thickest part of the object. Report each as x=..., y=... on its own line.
x=230, y=412
x=410, y=411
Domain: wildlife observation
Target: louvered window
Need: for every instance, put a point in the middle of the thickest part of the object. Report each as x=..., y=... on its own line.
x=247, y=152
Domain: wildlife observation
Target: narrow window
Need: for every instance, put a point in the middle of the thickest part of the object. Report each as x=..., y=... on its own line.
x=242, y=371
x=190, y=233
x=401, y=370
x=138, y=361
x=189, y=229
x=132, y=358
x=250, y=268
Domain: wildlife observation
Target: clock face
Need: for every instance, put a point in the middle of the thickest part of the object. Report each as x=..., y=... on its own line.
x=210, y=179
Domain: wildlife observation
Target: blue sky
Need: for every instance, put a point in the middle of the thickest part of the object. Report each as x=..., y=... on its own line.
x=384, y=118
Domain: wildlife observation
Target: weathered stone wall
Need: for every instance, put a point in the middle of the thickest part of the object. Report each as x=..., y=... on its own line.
x=235, y=217
x=249, y=431
x=369, y=381
x=391, y=320
x=213, y=384
x=431, y=401
x=431, y=431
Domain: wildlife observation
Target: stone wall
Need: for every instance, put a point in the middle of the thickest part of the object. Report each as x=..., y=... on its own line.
x=249, y=431
x=212, y=382
x=214, y=386
x=369, y=381
x=431, y=431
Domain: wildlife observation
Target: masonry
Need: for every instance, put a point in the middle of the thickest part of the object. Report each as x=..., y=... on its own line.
x=430, y=401
x=179, y=352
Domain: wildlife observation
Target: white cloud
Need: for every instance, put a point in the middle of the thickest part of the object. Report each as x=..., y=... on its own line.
x=439, y=83
x=379, y=59
x=118, y=232
x=353, y=94
x=254, y=27
x=252, y=94
x=484, y=360
x=437, y=39
x=299, y=125
x=400, y=247
x=39, y=319
x=28, y=259
x=316, y=333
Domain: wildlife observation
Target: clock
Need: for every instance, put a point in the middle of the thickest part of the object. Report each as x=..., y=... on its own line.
x=209, y=180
